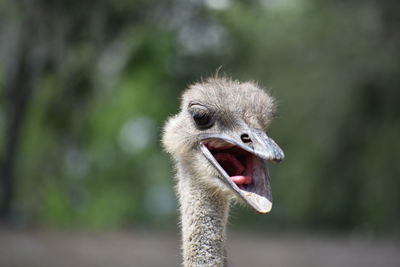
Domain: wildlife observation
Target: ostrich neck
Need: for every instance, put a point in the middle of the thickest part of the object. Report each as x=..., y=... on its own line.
x=203, y=220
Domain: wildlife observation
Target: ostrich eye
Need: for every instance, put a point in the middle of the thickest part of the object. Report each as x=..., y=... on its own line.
x=203, y=119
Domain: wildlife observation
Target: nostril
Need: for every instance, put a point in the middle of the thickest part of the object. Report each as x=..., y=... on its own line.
x=245, y=138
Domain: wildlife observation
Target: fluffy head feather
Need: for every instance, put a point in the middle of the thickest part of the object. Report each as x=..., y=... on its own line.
x=232, y=102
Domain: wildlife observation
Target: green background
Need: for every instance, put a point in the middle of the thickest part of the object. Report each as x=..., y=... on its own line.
x=89, y=85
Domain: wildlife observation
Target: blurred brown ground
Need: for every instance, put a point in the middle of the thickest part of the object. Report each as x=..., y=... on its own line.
x=45, y=248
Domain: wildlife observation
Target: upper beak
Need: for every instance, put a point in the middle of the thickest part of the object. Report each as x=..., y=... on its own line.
x=263, y=148
x=253, y=140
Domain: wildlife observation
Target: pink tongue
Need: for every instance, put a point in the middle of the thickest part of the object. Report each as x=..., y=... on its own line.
x=241, y=179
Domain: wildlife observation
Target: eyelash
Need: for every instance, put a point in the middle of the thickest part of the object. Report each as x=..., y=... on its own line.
x=203, y=120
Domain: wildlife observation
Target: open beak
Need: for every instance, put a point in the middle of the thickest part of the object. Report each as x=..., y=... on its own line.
x=241, y=160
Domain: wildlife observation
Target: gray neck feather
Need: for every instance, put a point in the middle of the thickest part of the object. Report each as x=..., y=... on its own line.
x=204, y=215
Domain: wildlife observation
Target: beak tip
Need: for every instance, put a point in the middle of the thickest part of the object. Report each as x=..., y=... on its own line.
x=264, y=206
x=265, y=211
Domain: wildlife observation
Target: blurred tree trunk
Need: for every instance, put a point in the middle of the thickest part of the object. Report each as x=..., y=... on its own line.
x=41, y=37
x=39, y=40
x=18, y=90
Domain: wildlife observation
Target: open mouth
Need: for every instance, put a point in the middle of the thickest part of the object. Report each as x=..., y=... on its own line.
x=243, y=171
x=237, y=163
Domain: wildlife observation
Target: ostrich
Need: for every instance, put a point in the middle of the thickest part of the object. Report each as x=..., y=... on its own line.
x=219, y=146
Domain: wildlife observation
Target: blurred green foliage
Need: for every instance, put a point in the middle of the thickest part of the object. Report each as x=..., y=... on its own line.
x=105, y=75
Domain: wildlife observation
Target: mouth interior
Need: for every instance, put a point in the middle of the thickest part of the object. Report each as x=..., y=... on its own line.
x=237, y=163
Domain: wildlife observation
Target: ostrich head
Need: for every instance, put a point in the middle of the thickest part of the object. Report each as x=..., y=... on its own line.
x=219, y=138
